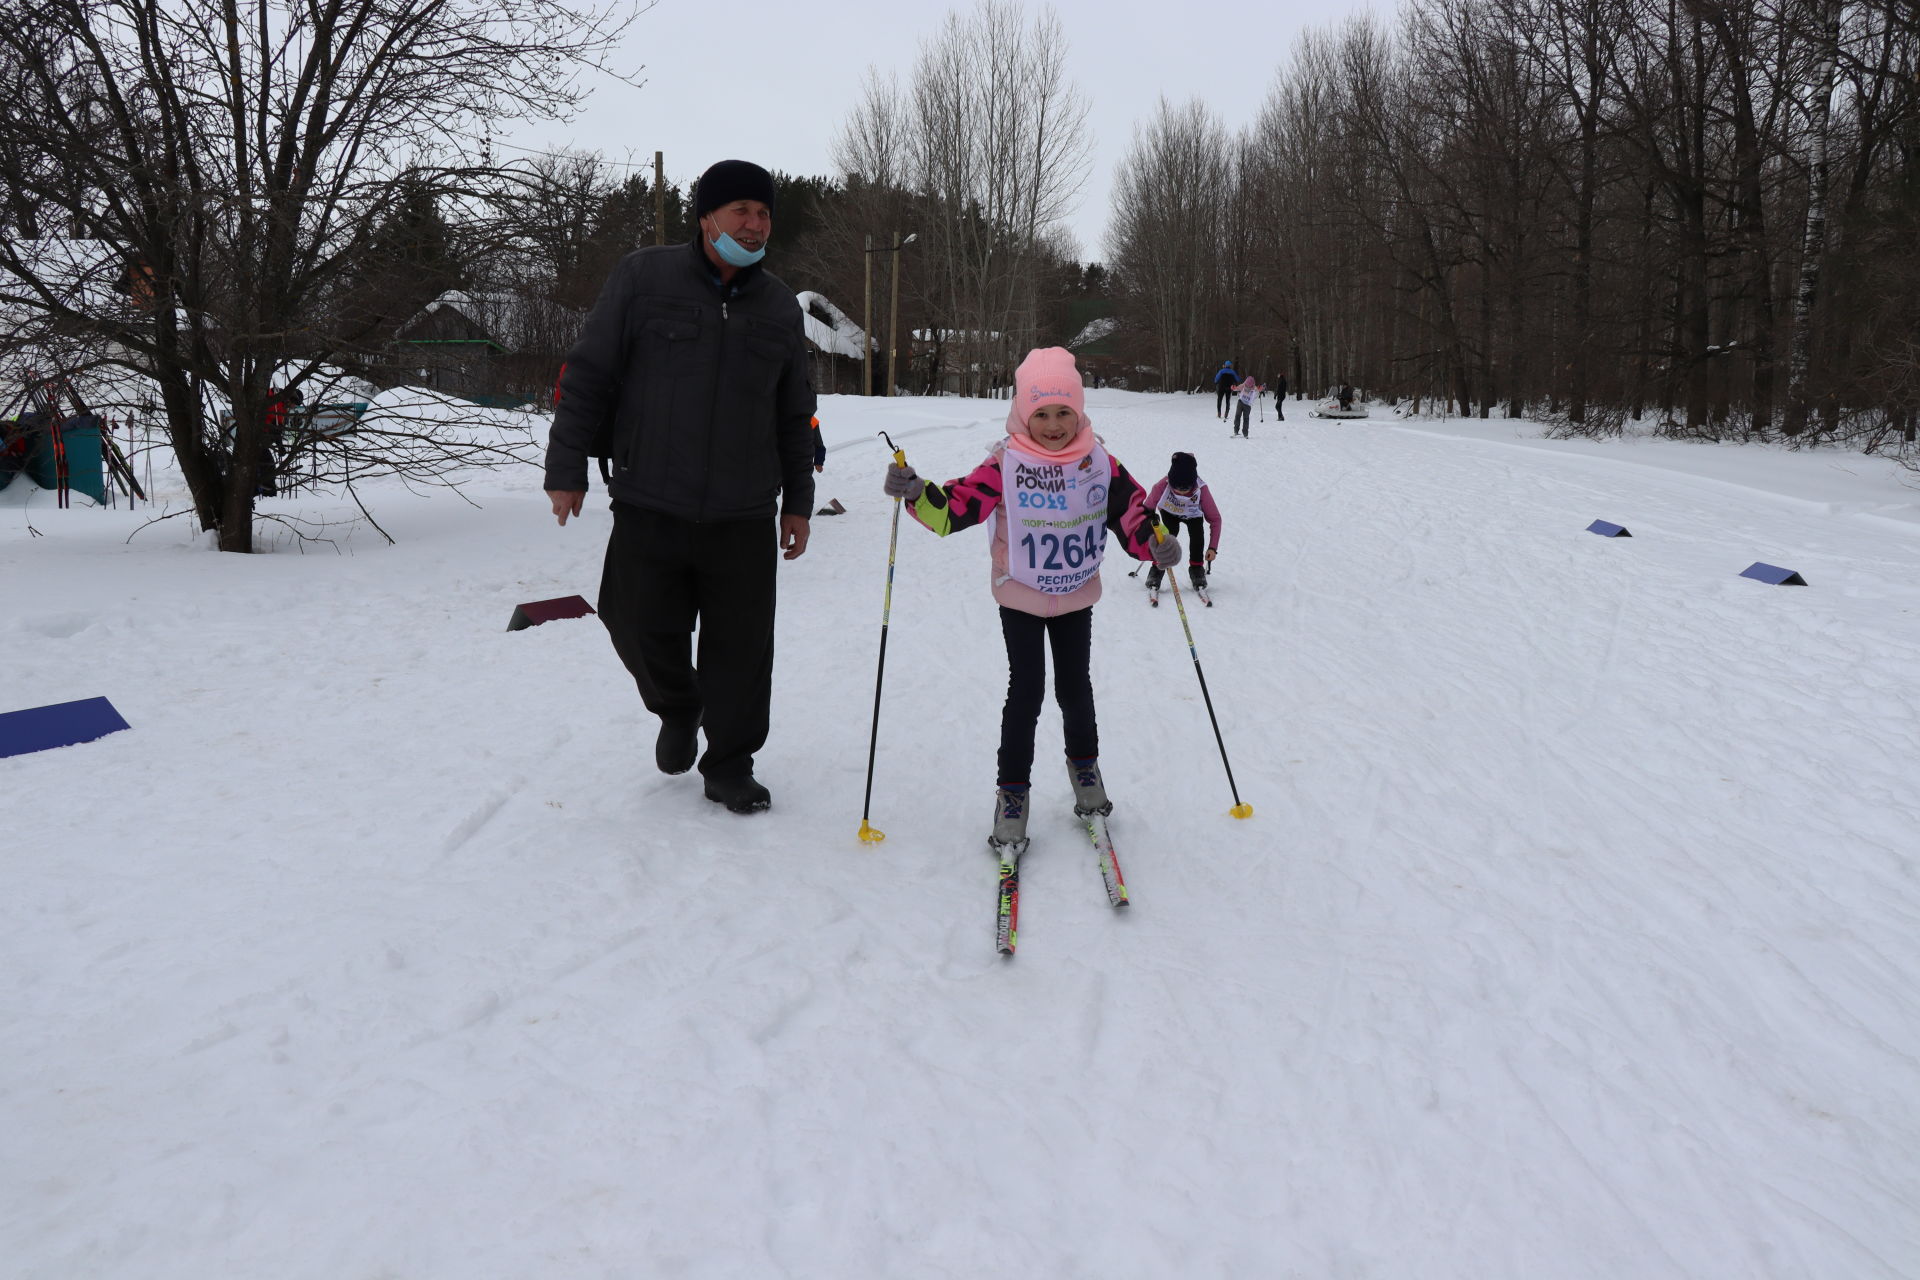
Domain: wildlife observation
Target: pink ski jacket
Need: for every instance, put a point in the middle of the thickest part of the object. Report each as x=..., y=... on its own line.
x=1208, y=508
x=961, y=504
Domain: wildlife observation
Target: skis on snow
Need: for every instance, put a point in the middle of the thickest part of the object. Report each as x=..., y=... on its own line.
x=1205, y=594
x=1096, y=824
x=1007, y=920
x=1006, y=932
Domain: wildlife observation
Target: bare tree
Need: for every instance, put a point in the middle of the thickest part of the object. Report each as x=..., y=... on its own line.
x=1814, y=237
x=1169, y=199
x=240, y=162
x=990, y=140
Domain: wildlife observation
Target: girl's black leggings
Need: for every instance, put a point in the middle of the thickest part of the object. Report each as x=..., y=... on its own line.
x=1193, y=529
x=1071, y=635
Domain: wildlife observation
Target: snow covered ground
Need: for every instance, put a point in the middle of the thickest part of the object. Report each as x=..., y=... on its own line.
x=1575, y=934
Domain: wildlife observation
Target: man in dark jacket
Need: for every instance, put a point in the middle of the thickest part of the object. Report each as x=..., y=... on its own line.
x=690, y=379
x=1280, y=396
x=1223, y=384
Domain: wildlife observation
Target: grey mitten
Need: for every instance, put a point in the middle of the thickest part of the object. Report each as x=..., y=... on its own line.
x=903, y=483
x=1166, y=552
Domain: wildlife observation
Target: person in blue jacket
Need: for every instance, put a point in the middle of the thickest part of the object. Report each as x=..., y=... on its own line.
x=1223, y=385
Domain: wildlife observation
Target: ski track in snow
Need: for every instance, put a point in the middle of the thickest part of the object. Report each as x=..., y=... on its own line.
x=1573, y=936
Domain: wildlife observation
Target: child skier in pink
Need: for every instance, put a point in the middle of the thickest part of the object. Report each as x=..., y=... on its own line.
x=1053, y=494
x=1183, y=500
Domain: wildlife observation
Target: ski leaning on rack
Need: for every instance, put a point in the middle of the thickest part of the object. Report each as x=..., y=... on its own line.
x=1007, y=922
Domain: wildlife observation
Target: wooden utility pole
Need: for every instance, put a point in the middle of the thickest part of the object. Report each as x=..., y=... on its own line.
x=893, y=317
x=659, y=198
x=866, y=325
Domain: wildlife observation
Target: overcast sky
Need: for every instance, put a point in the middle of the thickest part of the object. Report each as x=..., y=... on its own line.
x=774, y=81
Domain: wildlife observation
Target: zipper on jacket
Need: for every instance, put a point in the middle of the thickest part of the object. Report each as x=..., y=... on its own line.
x=713, y=406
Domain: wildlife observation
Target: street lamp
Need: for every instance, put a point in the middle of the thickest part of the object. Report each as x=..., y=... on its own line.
x=893, y=322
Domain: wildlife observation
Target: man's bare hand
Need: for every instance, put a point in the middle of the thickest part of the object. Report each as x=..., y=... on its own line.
x=793, y=536
x=567, y=502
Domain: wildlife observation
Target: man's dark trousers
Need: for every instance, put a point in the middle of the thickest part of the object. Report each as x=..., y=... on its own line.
x=663, y=572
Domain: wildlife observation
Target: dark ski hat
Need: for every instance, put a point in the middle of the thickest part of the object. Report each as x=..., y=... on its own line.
x=731, y=180
x=1183, y=472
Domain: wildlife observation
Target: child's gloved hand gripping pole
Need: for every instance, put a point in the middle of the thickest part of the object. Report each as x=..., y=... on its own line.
x=1240, y=808
x=869, y=834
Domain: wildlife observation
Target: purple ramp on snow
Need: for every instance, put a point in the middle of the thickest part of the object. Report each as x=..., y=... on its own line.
x=1773, y=575
x=532, y=615
x=62, y=725
x=1606, y=530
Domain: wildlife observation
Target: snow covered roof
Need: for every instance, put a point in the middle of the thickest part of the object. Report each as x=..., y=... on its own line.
x=956, y=335
x=1095, y=330
x=512, y=319
x=828, y=327
x=473, y=304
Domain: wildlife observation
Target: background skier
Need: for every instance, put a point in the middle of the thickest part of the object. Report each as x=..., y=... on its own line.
x=1246, y=393
x=1223, y=384
x=1183, y=501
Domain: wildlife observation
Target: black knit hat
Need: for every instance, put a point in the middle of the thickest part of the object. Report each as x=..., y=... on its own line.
x=731, y=180
x=1182, y=472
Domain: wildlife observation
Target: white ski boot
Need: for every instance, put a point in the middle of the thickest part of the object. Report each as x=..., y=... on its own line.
x=1089, y=792
x=1009, y=821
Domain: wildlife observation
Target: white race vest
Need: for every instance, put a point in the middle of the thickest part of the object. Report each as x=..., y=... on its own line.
x=1183, y=506
x=1056, y=518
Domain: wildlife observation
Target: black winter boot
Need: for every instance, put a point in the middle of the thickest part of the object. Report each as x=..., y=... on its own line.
x=678, y=745
x=740, y=794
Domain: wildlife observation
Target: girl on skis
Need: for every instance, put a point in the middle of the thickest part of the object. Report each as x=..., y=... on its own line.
x=1053, y=493
x=1182, y=499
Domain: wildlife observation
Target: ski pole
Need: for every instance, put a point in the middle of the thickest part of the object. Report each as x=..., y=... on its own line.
x=869, y=834
x=1240, y=808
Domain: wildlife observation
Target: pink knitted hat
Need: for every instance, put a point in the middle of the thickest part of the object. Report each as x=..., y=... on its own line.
x=1049, y=376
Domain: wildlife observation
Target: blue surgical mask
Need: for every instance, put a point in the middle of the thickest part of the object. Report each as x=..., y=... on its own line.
x=733, y=255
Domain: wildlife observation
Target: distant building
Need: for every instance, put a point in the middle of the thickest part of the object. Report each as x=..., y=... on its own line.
x=834, y=343
x=451, y=346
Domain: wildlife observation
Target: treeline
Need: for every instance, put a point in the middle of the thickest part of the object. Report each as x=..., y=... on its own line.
x=535, y=261
x=968, y=167
x=1704, y=210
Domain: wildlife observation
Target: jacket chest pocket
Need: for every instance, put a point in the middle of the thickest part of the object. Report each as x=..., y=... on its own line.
x=666, y=348
x=765, y=356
